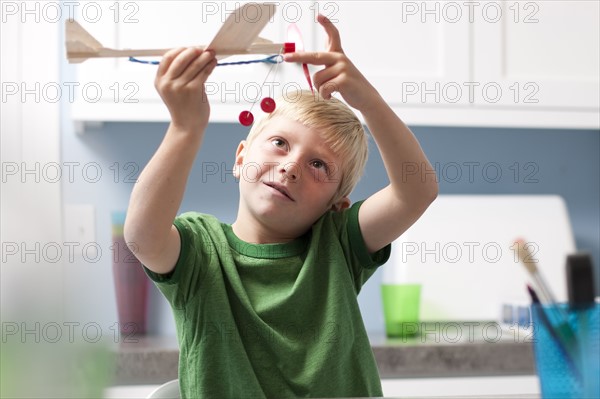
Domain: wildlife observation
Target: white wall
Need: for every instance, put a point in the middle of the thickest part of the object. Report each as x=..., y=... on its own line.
x=31, y=201
x=32, y=245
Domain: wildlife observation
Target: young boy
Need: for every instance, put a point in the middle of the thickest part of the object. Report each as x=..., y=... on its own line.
x=266, y=307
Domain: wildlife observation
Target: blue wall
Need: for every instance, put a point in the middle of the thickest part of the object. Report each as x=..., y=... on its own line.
x=563, y=162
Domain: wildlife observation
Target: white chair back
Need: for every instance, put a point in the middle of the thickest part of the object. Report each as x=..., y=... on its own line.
x=168, y=390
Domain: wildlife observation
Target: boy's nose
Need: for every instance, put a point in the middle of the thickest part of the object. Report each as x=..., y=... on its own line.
x=290, y=171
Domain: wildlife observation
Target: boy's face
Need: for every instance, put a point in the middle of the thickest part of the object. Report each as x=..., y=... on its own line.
x=288, y=177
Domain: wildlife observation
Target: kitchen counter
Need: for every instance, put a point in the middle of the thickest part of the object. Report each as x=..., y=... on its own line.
x=439, y=351
x=485, y=351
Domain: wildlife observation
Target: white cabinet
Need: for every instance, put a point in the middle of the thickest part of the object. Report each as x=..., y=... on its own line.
x=521, y=386
x=115, y=89
x=475, y=63
x=479, y=63
x=402, y=55
x=543, y=60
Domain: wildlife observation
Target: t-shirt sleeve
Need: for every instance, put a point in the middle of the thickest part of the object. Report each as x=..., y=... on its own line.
x=359, y=247
x=362, y=263
x=183, y=281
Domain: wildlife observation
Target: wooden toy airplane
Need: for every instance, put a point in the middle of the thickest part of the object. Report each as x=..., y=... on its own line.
x=238, y=35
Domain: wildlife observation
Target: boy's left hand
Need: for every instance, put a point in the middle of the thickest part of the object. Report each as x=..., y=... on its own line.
x=339, y=73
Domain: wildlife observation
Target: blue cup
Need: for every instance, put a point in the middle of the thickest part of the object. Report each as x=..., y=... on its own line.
x=563, y=376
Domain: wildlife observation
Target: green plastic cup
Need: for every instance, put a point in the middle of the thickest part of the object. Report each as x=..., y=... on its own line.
x=401, y=303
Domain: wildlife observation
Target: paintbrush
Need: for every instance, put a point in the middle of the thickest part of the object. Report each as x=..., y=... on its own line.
x=535, y=300
x=557, y=318
x=526, y=258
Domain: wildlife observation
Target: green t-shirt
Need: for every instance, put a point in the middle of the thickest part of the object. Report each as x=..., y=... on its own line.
x=272, y=320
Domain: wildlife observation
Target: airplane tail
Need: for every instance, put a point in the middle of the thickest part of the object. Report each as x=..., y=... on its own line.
x=80, y=43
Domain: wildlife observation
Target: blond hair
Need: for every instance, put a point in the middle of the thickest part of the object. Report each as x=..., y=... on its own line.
x=340, y=128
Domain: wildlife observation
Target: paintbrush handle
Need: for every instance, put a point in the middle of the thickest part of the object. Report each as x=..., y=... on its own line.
x=548, y=298
x=563, y=336
x=526, y=258
x=560, y=318
x=543, y=289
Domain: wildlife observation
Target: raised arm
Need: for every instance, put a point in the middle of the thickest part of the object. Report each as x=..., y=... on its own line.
x=387, y=214
x=158, y=193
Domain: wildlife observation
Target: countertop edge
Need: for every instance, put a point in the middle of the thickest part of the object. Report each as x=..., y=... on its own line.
x=155, y=360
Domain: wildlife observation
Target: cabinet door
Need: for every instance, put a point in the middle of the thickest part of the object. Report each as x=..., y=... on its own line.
x=121, y=90
x=414, y=53
x=538, y=55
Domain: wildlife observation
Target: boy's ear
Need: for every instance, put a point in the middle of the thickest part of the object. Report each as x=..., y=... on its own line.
x=341, y=204
x=239, y=158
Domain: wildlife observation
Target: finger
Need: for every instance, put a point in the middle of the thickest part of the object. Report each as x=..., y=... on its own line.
x=327, y=74
x=335, y=42
x=197, y=65
x=328, y=88
x=205, y=72
x=209, y=68
x=181, y=62
x=168, y=59
x=314, y=58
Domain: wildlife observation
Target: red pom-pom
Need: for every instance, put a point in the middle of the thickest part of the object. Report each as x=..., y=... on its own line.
x=246, y=118
x=267, y=104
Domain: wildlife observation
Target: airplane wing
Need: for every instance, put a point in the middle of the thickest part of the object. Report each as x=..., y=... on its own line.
x=242, y=27
x=238, y=35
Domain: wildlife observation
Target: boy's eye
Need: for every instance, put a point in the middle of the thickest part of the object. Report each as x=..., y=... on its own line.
x=278, y=143
x=318, y=164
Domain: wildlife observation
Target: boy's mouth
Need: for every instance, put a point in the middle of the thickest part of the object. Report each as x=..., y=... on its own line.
x=279, y=188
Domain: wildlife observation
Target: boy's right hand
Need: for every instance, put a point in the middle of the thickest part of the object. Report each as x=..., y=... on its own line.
x=180, y=82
